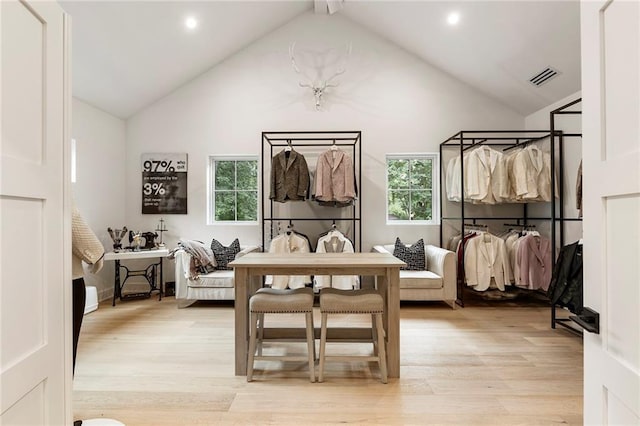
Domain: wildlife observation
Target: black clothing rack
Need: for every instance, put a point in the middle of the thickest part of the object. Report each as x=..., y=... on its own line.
x=571, y=108
x=305, y=140
x=506, y=139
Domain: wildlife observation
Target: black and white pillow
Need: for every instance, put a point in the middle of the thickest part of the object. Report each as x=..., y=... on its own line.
x=412, y=255
x=224, y=255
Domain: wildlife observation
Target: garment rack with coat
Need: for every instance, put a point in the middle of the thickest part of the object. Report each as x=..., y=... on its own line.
x=566, y=125
x=308, y=215
x=454, y=214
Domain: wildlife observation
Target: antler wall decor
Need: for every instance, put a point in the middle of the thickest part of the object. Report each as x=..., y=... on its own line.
x=319, y=85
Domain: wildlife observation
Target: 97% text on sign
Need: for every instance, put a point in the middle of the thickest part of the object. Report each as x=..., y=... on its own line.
x=158, y=166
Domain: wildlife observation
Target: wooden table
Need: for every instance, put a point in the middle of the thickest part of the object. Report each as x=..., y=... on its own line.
x=152, y=273
x=250, y=269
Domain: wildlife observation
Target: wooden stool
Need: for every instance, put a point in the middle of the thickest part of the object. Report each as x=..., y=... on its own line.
x=335, y=301
x=275, y=301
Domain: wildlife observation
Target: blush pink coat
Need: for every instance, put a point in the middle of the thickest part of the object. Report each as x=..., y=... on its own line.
x=335, y=180
x=534, y=258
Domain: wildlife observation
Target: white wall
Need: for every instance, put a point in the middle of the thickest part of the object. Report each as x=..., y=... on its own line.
x=572, y=156
x=401, y=104
x=100, y=183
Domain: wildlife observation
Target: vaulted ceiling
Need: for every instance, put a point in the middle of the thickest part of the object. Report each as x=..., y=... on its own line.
x=127, y=55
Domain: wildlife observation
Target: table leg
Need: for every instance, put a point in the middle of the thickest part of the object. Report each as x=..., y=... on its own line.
x=161, y=281
x=116, y=282
x=393, y=321
x=241, y=282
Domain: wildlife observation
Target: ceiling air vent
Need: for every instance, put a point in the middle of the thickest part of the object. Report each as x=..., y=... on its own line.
x=543, y=76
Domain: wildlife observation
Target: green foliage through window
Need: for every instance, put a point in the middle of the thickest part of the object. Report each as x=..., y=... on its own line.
x=235, y=190
x=410, y=188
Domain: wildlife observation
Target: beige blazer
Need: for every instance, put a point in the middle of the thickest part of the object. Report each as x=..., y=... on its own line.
x=288, y=243
x=485, y=257
x=487, y=177
x=532, y=174
x=85, y=246
x=335, y=180
x=452, y=179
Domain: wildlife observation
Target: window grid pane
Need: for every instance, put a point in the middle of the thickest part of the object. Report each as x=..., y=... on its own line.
x=410, y=188
x=225, y=175
x=235, y=192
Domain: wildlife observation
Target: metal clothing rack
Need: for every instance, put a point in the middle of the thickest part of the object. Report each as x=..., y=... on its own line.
x=311, y=143
x=570, y=108
x=506, y=139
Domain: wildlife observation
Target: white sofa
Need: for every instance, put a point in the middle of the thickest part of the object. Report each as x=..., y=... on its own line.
x=217, y=285
x=438, y=282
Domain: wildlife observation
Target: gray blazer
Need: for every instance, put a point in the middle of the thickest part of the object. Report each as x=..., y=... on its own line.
x=289, y=177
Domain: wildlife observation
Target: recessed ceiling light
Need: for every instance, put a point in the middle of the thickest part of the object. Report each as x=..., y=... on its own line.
x=453, y=18
x=191, y=23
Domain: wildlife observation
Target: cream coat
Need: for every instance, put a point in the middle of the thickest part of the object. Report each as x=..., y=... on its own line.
x=531, y=172
x=487, y=180
x=485, y=257
x=335, y=178
x=288, y=243
x=344, y=282
x=85, y=246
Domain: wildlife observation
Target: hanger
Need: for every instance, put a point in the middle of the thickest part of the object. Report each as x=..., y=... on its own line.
x=334, y=228
x=476, y=228
x=288, y=148
x=334, y=147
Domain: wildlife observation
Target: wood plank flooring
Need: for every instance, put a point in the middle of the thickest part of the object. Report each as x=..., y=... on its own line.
x=145, y=362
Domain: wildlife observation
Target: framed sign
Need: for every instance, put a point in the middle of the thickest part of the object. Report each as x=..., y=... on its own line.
x=164, y=183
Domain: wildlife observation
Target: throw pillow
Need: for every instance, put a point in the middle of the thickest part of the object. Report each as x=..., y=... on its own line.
x=412, y=255
x=223, y=254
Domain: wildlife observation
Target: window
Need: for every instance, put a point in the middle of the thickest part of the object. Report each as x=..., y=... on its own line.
x=412, y=185
x=234, y=189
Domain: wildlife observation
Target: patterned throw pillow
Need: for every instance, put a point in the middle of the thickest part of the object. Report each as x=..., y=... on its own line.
x=224, y=255
x=413, y=255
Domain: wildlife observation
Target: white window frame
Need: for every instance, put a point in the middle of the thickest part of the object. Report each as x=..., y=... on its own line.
x=211, y=193
x=435, y=190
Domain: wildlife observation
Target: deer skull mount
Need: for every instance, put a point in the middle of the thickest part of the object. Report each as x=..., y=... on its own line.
x=319, y=85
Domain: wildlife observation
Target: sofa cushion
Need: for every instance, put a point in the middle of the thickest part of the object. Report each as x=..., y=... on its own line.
x=217, y=279
x=420, y=279
x=412, y=255
x=223, y=254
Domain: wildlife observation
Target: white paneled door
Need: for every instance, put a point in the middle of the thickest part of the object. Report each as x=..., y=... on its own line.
x=35, y=249
x=611, y=190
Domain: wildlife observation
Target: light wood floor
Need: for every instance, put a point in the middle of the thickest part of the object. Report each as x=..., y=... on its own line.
x=146, y=362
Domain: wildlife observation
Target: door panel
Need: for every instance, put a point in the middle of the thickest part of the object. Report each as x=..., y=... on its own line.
x=23, y=82
x=611, y=199
x=35, y=249
x=623, y=276
x=28, y=293
x=621, y=44
x=23, y=413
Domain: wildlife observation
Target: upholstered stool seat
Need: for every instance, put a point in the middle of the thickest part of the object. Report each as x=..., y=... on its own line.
x=366, y=301
x=276, y=301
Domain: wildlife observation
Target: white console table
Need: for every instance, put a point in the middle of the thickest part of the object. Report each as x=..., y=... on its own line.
x=152, y=273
